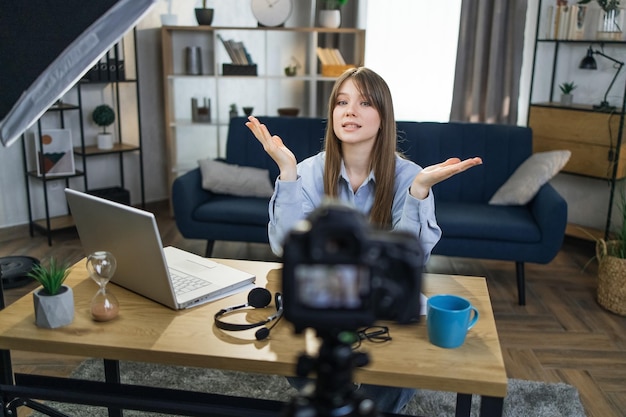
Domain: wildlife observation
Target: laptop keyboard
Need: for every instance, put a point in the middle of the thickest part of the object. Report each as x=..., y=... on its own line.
x=183, y=283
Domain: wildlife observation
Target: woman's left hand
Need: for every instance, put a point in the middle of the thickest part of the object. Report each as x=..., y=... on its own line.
x=434, y=174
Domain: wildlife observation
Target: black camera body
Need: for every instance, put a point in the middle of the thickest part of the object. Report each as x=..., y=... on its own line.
x=340, y=274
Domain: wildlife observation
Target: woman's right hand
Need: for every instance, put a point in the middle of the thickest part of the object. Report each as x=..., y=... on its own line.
x=275, y=148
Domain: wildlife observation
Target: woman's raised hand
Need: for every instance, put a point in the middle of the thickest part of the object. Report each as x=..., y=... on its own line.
x=434, y=174
x=274, y=146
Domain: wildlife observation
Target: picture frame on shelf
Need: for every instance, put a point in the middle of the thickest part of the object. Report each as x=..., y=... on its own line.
x=55, y=155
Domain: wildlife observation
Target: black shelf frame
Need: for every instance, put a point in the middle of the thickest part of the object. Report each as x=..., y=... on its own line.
x=620, y=111
x=120, y=148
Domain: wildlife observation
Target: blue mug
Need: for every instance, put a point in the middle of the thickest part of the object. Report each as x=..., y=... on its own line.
x=448, y=319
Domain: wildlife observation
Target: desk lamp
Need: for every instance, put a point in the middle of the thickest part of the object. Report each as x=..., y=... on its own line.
x=589, y=62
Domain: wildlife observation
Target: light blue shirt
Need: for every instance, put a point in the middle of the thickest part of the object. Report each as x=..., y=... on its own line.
x=294, y=200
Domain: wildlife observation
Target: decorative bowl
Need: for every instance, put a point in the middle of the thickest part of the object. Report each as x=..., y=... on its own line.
x=288, y=111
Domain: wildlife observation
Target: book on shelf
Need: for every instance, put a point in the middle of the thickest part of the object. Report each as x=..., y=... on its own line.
x=330, y=56
x=333, y=63
x=236, y=51
x=579, y=20
x=566, y=22
x=110, y=66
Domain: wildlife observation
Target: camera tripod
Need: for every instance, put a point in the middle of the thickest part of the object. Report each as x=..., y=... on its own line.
x=333, y=394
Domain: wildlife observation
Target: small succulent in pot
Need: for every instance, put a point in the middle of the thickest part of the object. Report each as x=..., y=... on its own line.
x=54, y=302
x=51, y=277
x=568, y=87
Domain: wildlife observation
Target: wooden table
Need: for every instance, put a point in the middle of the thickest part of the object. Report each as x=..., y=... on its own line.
x=148, y=332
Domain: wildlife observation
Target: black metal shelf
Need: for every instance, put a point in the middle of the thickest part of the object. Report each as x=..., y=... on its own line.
x=49, y=223
x=619, y=111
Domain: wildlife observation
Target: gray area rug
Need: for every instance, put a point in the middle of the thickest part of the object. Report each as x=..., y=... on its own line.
x=524, y=399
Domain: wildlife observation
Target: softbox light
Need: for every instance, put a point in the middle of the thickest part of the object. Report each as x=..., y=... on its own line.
x=47, y=46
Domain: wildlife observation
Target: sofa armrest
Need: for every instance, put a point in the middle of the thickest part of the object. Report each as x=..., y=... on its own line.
x=187, y=195
x=550, y=211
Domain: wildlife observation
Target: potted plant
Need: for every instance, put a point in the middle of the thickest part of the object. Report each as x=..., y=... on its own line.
x=333, y=4
x=566, y=89
x=330, y=13
x=104, y=116
x=169, y=19
x=54, y=302
x=611, y=256
x=611, y=25
x=292, y=69
x=204, y=16
x=233, y=111
x=606, y=5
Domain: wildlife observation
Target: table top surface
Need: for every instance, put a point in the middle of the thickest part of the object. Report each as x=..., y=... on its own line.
x=149, y=332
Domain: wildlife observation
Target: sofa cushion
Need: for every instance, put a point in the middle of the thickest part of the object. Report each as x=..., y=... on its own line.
x=222, y=178
x=234, y=210
x=538, y=169
x=485, y=222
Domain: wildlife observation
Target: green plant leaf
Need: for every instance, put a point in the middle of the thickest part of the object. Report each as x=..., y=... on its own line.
x=52, y=276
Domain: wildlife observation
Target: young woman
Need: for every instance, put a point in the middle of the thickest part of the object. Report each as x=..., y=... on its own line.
x=359, y=166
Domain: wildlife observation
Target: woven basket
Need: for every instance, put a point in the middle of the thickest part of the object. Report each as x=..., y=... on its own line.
x=611, y=277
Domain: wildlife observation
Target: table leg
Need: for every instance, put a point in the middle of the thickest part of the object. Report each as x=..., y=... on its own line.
x=463, y=405
x=112, y=376
x=491, y=406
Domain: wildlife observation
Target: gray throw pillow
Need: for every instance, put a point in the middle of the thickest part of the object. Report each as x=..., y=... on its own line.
x=222, y=178
x=528, y=178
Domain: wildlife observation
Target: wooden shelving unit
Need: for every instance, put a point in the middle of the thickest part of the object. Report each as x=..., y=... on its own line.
x=272, y=49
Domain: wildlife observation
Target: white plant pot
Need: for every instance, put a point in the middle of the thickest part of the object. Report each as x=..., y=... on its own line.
x=567, y=99
x=169, y=19
x=105, y=141
x=52, y=311
x=330, y=18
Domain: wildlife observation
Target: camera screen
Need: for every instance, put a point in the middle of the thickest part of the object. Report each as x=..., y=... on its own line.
x=337, y=286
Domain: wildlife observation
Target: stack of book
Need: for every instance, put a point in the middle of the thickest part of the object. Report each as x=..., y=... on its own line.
x=333, y=63
x=242, y=63
x=568, y=22
x=236, y=51
x=110, y=67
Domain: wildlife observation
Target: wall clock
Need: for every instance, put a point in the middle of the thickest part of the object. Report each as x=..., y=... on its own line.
x=271, y=12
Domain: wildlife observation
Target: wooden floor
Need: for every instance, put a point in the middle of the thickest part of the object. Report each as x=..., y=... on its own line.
x=561, y=335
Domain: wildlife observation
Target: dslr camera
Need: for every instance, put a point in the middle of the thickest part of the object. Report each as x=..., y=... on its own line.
x=341, y=274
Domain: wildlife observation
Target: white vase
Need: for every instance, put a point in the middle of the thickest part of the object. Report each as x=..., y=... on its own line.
x=169, y=19
x=330, y=18
x=105, y=141
x=567, y=99
x=52, y=311
x=611, y=25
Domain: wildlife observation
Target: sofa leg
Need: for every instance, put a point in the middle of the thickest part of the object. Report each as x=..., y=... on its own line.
x=209, y=248
x=521, y=285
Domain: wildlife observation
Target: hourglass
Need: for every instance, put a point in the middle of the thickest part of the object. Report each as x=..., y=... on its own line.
x=101, y=266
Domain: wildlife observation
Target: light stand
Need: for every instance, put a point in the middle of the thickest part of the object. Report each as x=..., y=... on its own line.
x=589, y=62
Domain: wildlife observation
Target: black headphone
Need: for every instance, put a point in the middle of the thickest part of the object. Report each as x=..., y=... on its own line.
x=257, y=298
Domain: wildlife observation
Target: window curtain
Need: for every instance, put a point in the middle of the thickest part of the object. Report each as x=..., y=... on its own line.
x=489, y=61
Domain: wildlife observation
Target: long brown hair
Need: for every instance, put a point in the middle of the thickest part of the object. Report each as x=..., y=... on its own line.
x=382, y=160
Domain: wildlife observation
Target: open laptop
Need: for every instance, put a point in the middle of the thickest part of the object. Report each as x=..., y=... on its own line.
x=170, y=276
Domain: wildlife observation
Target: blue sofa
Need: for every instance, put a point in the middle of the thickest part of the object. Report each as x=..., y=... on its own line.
x=471, y=227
